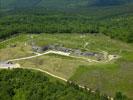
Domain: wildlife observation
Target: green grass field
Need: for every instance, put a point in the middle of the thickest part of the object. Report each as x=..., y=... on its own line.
x=95, y=42
x=58, y=65
x=15, y=52
x=108, y=77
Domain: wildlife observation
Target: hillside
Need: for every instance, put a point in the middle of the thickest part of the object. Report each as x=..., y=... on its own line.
x=22, y=84
x=111, y=2
x=117, y=25
x=12, y=4
x=86, y=44
x=108, y=76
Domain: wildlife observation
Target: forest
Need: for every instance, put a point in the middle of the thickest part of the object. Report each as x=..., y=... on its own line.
x=112, y=18
x=115, y=27
x=21, y=84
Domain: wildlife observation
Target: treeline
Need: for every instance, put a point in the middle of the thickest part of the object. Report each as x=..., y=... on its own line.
x=20, y=84
x=118, y=28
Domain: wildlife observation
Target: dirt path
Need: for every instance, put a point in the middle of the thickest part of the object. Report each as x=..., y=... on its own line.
x=52, y=52
x=55, y=76
x=63, y=79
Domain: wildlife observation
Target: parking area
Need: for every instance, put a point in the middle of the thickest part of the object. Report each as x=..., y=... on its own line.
x=8, y=65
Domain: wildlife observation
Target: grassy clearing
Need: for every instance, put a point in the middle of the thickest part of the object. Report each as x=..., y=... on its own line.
x=94, y=42
x=127, y=56
x=58, y=65
x=19, y=39
x=108, y=78
x=13, y=40
x=15, y=52
x=112, y=77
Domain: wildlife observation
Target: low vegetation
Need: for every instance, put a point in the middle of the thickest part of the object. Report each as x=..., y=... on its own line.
x=109, y=78
x=96, y=76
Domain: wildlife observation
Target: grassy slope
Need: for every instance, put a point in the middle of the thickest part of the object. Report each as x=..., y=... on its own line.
x=62, y=3
x=95, y=42
x=58, y=65
x=109, y=78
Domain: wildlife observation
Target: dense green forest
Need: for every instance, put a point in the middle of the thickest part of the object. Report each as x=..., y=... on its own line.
x=116, y=27
x=113, y=18
x=20, y=84
x=12, y=4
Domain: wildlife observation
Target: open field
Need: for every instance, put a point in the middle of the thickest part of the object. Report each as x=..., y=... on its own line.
x=108, y=77
x=15, y=52
x=56, y=64
x=84, y=42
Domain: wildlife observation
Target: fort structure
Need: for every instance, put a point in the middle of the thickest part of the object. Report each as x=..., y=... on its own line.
x=75, y=52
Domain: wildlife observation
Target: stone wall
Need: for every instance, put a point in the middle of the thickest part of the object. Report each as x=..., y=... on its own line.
x=76, y=52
